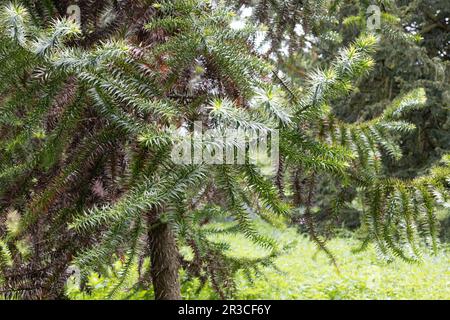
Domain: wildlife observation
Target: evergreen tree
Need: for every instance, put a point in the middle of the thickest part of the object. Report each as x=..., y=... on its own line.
x=87, y=119
x=100, y=142
x=401, y=66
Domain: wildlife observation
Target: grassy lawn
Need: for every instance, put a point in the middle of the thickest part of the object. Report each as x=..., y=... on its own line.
x=305, y=273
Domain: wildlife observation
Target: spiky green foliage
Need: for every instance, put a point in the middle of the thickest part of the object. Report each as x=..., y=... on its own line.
x=5, y=255
x=98, y=148
x=354, y=154
x=88, y=130
x=412, y=54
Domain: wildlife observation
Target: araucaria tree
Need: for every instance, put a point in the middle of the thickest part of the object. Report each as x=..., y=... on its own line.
x=87, y=173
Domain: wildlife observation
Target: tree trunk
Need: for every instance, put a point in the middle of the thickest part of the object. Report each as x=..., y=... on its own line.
x=164, y=263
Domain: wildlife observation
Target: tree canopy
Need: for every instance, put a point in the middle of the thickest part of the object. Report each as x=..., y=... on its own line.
x=91, y=97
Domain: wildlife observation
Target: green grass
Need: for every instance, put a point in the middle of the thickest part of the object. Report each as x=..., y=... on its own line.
x=305, y=273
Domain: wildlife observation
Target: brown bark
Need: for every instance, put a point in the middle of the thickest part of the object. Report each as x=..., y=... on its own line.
x=280, y=177
x=165, y=264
